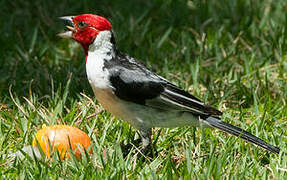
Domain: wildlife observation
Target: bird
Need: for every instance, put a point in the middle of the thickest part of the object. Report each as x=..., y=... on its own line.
x=133, y=93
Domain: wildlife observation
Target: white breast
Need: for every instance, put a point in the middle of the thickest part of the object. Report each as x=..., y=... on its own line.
x=97, y=76
x=99, y=52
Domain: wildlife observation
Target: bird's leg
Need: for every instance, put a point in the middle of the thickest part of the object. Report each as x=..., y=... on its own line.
x=146, y=139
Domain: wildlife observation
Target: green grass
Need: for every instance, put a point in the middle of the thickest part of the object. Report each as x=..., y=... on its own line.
x=231, y=54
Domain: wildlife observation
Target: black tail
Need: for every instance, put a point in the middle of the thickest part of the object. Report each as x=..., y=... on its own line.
x=236, y=131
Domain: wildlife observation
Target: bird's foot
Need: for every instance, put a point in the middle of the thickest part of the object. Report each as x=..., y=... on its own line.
x=126, y=148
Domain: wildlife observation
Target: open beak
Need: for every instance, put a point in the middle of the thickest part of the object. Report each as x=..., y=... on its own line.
x=71, y=29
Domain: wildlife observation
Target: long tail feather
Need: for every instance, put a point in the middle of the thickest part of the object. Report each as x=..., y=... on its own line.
x=236, y=131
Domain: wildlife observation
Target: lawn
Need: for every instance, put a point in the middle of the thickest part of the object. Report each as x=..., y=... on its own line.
x=230, y=54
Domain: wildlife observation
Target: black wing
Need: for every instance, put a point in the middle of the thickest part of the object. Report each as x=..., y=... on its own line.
x=132, y=82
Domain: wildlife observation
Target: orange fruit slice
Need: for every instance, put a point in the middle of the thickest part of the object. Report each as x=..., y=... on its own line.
x=64, y=138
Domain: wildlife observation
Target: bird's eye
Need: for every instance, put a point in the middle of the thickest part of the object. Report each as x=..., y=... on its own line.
x=82, y=24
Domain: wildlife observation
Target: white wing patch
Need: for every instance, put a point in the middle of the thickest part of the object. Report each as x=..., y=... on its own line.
x=165, y=103
x=184, y=97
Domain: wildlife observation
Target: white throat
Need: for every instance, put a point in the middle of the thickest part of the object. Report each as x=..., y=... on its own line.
x=102, y=43
x=100, y=50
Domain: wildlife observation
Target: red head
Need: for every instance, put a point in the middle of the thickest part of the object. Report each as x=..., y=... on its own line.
x=85, y=28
